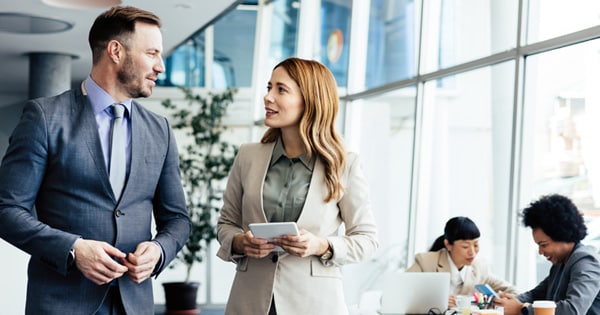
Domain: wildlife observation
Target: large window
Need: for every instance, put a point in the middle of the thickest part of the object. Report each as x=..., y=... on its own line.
x=392, y=45
x=465, y=158
x=284, y=30
x=234, y=48
x=552, y=18
x=383, y=133
x=462, y=113
x=231, y=45
x=456, y=31
x=560, y=128
x=335, y=37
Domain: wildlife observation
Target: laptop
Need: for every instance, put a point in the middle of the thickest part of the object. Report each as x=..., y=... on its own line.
x=415, y=292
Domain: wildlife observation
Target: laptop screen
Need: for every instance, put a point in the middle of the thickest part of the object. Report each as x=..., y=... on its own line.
x=415, y=292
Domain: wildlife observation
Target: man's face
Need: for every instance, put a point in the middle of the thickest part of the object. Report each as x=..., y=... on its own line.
x=143, y=61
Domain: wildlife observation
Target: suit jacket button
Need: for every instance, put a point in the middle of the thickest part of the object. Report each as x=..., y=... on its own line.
x=275, y=258
x=118, y=213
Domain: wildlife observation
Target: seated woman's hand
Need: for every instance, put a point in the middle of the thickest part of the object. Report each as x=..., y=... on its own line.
x=452, y=301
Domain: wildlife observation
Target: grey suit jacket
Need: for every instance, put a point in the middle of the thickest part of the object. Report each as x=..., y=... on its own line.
x=54, y=188
x=438, y=262
x=578, y=290
x=299, y=285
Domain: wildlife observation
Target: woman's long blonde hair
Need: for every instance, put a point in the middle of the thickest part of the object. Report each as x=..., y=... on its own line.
x=317, y=125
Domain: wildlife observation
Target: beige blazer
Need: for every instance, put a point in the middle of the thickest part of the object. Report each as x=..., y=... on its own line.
x=298, y=285
x=438, y=262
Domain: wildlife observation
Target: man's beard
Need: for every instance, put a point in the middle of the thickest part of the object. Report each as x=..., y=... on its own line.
x=130, y=80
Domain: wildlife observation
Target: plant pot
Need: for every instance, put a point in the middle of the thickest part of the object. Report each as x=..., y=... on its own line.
x=180, y=298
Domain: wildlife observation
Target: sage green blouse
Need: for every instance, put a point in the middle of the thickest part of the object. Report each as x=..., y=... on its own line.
x=286, y=185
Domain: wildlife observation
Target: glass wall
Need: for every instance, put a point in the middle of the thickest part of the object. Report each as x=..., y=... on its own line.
x=553, y=18
x=234, y=48
x=392, y=44
x=457, y=31
x=231, y=46
x=335, y=37
x=386, y=151
x=464, y=158
x=284, y=30
x=560, y=125
x=462, y=113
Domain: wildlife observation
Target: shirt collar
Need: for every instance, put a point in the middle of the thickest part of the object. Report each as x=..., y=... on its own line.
x=459, y=274
x=279, y=152
x=99, y=98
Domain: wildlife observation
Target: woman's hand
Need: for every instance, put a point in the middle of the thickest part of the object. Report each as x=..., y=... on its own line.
x=451, y=301
x=247, y=244
x=303, y=245
x=511, y=305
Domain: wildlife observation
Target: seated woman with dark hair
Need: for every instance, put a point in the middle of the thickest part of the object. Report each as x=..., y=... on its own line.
x=574, y=279
x=455, y=252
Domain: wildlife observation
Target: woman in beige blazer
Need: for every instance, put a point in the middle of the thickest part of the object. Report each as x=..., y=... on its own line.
x=298, y=172
x=455, y=252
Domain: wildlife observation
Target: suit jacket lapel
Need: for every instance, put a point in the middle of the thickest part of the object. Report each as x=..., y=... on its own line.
x=83, y=115
x=315, y=196
x=443, y=263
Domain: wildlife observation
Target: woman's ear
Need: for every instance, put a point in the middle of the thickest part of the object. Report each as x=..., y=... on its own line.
x=447, y=245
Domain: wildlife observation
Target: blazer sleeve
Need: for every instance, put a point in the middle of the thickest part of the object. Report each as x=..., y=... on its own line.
x=499, y=284
x=172, y=220
x=482, y=274
x=22, y=173
x=230, y=217
x=360, y=238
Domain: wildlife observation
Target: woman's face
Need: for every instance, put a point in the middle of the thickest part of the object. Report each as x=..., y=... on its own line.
x=284, y=104
x=555, y=252
x=463, y=252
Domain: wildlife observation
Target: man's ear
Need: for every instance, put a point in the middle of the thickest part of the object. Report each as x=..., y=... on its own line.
x=115, y=51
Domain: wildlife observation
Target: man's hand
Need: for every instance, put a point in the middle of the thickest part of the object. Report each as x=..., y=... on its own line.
x=97, y=261
x=142, y=262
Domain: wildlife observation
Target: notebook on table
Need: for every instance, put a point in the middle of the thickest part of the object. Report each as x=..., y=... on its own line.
x=415, y=293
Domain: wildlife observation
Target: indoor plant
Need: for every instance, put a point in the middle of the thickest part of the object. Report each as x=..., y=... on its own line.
x=205, y=161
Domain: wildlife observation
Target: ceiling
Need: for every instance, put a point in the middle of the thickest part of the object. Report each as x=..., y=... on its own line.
x=180, y=19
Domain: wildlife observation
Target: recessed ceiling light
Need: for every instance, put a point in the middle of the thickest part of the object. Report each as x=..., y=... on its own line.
x=82, y=4
x=29, y=24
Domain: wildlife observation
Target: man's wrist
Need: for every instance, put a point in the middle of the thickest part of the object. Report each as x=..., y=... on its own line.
x=71, y=258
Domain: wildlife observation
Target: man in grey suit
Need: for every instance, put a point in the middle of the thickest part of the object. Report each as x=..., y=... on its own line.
x=90, y=239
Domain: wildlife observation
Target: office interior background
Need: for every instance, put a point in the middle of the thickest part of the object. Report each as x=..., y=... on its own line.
x=456, y=107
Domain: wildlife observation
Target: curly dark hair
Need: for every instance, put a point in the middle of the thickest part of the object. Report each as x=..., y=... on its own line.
x=557, y=216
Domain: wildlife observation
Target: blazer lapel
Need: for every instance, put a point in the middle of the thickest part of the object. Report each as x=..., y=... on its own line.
x=139, y=136
x=83, y=115
x=443, y=263
x=315, y=196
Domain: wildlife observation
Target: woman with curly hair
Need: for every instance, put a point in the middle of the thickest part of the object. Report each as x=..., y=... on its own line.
x=299, y=172
x=574, y=279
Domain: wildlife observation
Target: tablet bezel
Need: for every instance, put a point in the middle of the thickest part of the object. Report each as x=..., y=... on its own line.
x=271, y=230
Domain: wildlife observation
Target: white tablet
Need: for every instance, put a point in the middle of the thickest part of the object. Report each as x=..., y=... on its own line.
x=273, y=229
